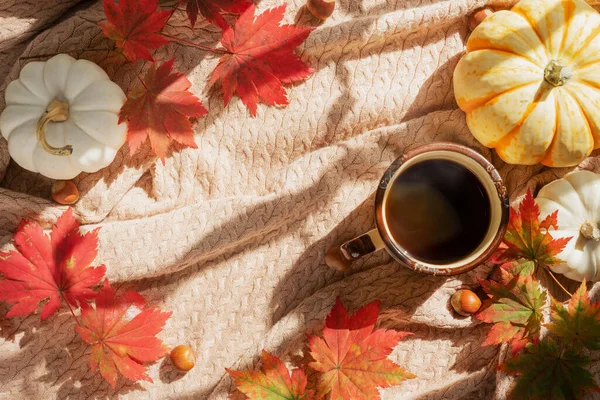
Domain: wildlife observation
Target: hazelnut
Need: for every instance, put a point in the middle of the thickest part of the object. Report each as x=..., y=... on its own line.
x=64, y=192
x=183, y=357
x=321, y=9
x=478, y=16
x=465, y=302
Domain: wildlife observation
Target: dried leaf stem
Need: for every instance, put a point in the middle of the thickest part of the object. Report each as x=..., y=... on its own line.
x=70, y=309
x=192, y=44
x=556, y=280
x=130, y=63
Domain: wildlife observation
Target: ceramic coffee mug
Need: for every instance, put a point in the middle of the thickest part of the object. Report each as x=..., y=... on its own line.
x=340, y=257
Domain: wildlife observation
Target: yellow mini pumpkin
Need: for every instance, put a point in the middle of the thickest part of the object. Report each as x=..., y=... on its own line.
x=530, y=82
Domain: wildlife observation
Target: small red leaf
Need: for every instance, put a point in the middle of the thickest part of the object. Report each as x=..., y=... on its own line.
x=212, y=9
x=121, y=331
x=160, y=110
x=364, y=317
x=261, y=58
x=134, y=24
x=352, y=358
x=49, y=268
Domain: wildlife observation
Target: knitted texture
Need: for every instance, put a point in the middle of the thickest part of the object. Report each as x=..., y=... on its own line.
x=232, y=236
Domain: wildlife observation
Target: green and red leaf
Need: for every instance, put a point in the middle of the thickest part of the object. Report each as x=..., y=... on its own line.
x=546, y=371
x=352, y=358
x=122, y=332
x=515, y=309
x=527, y=237
x=49, y=268
x=273, y=381
x=579, y=323
x=134, y=25
x=521, y=267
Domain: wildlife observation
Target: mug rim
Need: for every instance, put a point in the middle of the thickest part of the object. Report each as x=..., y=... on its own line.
x=419, y=266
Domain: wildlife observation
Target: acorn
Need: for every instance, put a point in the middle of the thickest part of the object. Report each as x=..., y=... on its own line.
x=465, y=302
x=321, y=9
x=64, y=192
x=478, y=16
x=183, y=357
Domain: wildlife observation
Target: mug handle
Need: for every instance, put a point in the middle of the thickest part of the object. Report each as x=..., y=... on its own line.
x=342, y=257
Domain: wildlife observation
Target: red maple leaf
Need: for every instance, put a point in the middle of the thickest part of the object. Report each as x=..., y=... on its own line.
x=352, y=358
x=50, y=268
x=261, y=58
x=527, y=237
x=160, y=110
x=212, y=9
x=134, y=24
x=121, y=331
x=273, y=380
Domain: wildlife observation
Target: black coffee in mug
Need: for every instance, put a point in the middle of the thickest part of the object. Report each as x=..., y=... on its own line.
x=438, y=211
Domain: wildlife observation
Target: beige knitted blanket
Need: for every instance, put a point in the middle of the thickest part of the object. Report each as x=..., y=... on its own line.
x=231, y=236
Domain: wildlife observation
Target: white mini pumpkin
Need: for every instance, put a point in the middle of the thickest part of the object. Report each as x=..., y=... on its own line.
x=61, y=117
x=577, y=199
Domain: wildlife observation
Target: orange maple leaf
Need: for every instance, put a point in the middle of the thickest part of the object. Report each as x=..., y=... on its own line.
x=121, y=331
x=352, y=358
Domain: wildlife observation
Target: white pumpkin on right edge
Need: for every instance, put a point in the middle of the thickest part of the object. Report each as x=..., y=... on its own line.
x=577, y=199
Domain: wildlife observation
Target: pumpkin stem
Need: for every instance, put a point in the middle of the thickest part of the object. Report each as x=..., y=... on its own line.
x=590, y=230
x=557, y=74
x=57, y=111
